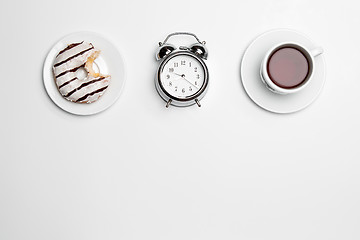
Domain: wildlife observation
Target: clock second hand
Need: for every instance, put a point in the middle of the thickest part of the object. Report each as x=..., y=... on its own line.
x=183, y=77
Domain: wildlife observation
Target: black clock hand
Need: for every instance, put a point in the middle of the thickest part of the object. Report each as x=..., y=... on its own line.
x=181, y=75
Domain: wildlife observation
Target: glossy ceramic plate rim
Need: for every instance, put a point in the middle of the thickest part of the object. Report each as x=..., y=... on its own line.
x=110, y=58
x=257, y=94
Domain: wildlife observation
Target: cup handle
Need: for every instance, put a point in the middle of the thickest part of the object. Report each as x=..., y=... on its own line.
x=317, y=51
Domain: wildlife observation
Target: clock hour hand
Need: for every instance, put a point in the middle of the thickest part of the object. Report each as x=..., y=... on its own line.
x=181, y=75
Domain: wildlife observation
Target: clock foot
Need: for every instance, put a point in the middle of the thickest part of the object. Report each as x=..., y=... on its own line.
x=168, y=103
x=197, y=102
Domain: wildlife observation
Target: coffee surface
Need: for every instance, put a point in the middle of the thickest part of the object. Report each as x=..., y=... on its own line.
x=288, y=67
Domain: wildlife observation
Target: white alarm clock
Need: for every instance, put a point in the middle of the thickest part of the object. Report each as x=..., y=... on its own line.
x=182, y=77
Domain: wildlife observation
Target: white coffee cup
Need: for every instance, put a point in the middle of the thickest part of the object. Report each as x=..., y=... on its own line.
x=309, y=55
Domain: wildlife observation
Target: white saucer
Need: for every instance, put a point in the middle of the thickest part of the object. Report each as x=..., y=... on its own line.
x=109, y=62
x=255, y=88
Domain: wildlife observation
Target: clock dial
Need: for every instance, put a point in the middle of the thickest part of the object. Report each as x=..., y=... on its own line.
x=182, y=76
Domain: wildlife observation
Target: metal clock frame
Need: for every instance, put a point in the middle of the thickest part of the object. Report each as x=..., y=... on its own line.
x=182, y=102
x=196, y=97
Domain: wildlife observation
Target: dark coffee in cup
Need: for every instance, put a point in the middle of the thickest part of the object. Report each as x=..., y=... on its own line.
x=288, y=67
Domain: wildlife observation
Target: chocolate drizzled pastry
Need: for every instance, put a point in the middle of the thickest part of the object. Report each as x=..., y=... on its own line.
x=70, y=62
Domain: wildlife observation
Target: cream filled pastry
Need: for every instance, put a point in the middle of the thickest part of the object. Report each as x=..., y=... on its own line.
x=74, y=74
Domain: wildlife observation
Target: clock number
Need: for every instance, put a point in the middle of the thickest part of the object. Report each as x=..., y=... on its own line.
x=171, y=70
x=183, y=62
x=195, y=69
x=170, y=83
x=176, y=64
x=189, y=64
x=196, y=83
x=183, y=90
x=198, y=76
x=176, y=88
x=167, y=76
x=190, y=89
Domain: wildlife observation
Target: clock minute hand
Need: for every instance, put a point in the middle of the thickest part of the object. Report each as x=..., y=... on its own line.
x=190, y=82
x=183, y=77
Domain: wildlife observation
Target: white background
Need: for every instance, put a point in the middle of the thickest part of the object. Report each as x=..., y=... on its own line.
x=227, y=170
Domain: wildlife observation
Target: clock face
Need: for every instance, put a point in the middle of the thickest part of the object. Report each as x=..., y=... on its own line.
x=182, y=76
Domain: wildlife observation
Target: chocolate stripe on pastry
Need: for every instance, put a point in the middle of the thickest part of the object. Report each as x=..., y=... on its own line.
x=90, y=94
x=87, y=84
x=74, y=56
x=66, y=83
x=71, y=70
x=84, y=85
x=69, y=47
x=70, y=93
x=90, y=82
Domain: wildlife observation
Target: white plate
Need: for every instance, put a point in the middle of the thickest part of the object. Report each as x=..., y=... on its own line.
x=255, y=88
x=109, y=62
